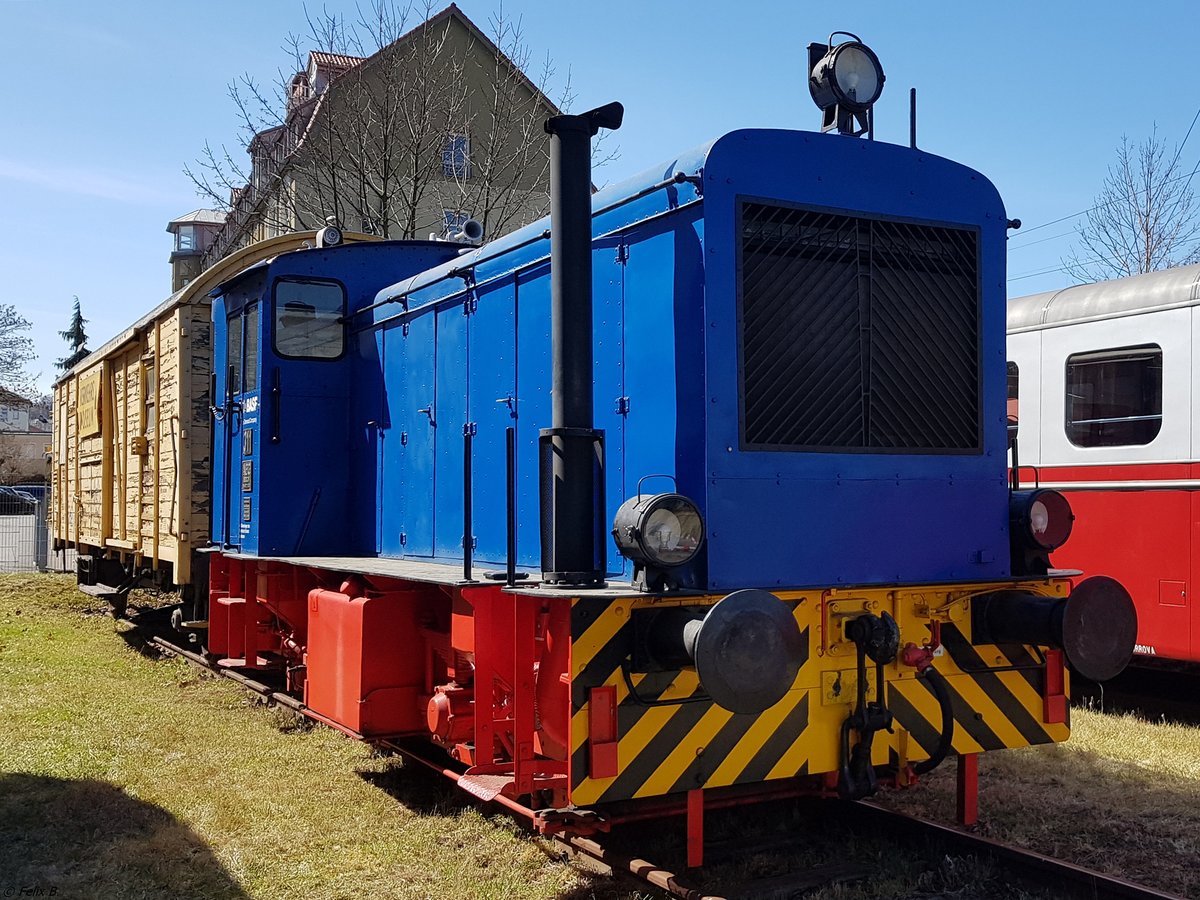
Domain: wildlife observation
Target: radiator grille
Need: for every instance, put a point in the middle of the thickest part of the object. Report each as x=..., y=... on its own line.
x=858, y=334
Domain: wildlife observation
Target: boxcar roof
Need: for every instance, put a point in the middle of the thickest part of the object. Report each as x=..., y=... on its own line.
x=196, y=291
x=1166, y=289
x=124, y=337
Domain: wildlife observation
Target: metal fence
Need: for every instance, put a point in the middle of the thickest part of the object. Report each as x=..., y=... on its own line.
x=25, y=533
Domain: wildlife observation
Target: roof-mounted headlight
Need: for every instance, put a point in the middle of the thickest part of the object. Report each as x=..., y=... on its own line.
x=658, y=533
x=330, y=235
x=845, y=80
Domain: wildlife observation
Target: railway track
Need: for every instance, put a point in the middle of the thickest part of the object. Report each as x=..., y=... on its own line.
x=1032, y=871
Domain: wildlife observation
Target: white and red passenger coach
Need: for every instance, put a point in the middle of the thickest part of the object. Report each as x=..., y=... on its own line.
x=1101, y=390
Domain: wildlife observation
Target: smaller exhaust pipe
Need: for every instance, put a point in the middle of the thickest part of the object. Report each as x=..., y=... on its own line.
x=1096, y=625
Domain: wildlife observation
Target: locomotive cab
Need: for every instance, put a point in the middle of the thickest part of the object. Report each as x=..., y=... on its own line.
x=285, y=427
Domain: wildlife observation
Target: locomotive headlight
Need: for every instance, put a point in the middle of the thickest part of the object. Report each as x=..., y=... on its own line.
x=658, y=530
x=329, y=236
x=848, y=75
x=1041, y=517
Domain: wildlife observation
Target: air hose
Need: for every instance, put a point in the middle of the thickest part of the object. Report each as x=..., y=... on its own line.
x=941, y=690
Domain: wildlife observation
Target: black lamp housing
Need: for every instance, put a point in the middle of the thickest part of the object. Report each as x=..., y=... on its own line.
x=1040, y=521
x=660, y=534
x=842, y=109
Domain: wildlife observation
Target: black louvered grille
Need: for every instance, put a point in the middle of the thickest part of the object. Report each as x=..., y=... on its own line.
x=858, y=333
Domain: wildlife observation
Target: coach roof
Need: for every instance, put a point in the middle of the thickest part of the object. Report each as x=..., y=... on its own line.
x=1153, y=291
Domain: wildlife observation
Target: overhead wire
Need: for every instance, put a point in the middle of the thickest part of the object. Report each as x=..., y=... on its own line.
x=1085, y=261
x=1063, y=268
x=1084, y=212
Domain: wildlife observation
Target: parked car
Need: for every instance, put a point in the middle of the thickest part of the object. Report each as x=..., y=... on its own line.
x=16, y=503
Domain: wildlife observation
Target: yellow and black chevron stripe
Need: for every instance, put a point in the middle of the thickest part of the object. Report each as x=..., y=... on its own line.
x=997, y=694
x=672, y=738
x=686, y=744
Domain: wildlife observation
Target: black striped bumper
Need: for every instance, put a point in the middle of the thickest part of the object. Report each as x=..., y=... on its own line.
x=672, y=738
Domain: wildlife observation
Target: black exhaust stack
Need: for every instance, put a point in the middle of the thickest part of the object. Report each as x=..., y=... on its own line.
x=571, y=463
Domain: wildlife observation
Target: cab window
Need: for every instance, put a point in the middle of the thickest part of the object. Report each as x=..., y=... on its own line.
x=308, y=319
x=233, y=354
x=251, y=345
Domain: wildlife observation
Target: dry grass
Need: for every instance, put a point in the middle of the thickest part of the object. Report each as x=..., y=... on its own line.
x=123, y=776
x=1122, y=797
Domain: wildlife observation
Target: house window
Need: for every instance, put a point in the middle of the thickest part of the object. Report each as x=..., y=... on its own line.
x=1114, y=397
x=185, y=238
x=456, y=156
x=453, y=221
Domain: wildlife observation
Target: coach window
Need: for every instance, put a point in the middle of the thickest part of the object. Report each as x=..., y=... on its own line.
x=1114, y=397
x=308, y=319
x=1014, y=411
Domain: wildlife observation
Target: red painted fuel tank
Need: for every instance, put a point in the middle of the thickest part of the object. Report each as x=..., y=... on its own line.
x=366, y=666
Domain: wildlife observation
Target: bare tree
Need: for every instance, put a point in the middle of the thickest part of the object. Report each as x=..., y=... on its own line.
x=16, y=352
x=437, y=121
x=1145, y=217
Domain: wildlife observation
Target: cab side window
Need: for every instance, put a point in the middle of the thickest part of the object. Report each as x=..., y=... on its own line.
x=233, y=353
x=251, y=345
x=308, y=319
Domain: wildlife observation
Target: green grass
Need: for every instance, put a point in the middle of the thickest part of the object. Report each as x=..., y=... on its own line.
x=123, y=776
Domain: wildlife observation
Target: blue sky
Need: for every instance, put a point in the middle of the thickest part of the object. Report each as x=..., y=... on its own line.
x=105, y=103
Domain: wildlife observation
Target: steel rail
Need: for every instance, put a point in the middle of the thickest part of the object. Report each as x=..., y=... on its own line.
x=258, y=687
x=1039, y=870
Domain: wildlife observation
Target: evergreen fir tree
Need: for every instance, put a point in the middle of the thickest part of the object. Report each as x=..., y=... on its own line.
x=76, y=338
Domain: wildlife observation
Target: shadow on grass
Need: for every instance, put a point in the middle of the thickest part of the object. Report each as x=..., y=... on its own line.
x=420, y=789
x=135, y=639
x=91, y=839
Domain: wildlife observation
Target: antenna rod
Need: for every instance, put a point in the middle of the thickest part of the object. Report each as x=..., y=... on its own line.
x=912, y=118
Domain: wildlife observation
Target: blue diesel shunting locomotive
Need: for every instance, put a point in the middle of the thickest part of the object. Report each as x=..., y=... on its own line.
x=776, y=364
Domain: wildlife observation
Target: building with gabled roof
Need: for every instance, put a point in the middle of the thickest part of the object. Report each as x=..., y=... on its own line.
x=437, y=126
x=14, y=411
